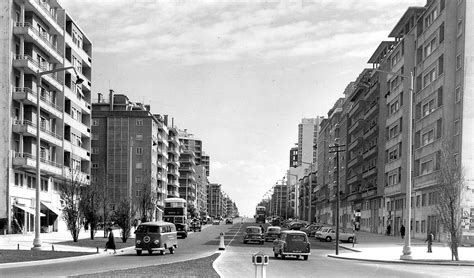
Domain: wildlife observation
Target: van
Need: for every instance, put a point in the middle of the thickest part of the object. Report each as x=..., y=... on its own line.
x=292, y=243
x=156, y=236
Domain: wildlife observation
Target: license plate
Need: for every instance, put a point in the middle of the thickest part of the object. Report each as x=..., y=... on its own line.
x=297, y=251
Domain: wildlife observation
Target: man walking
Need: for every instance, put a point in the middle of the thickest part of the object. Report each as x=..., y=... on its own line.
x=430, y=239
x=402, y=231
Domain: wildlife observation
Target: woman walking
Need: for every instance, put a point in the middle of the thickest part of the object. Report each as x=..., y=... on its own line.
x=111, y=242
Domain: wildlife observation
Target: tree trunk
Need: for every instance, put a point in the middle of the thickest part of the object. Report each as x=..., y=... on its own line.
x=92, y=233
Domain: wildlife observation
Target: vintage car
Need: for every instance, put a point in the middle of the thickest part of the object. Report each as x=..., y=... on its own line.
x=156, y=236
x=329, y=233
x=253, y=234
x=196, y=225
x=292, y=243
x=296, y=225
x=311, y=230
x=272, y=233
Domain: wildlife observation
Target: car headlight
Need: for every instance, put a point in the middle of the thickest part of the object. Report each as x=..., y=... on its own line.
x=156, y=241
x=139, y=241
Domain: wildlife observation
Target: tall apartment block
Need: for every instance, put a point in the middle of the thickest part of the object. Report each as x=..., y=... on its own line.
x=435, y=44
x=174, y=152
x=127, y=151
x=38, y=36
x=215, y=200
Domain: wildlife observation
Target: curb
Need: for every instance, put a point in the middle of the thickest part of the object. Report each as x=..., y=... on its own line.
x=424, y=262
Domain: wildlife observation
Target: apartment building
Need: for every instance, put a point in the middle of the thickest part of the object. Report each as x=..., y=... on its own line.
x=38, y=36
x=174, y=152
x=125, y=154
x=162, y=142
x=201, y=190
x=215, y=200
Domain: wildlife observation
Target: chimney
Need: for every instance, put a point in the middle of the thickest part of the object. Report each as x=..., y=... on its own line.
x=99, y=97
x=147, y=107
x=165, y=119
x=111, y=99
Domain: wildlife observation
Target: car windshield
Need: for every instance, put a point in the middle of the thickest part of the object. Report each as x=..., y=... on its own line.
x=297, y=238
x=253, y=230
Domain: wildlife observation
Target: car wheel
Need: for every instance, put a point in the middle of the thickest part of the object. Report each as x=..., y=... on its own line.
x=171, y=250
x=328, y=239
x=350, y=239
x=150, y=252
x=162, y=252
x=282, y=256
x=139, y=252
x=275, y=253
x=297, y=257
x=245, y=241
x=305, y=257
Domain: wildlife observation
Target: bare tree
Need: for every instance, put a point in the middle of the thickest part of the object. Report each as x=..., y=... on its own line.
x=450, y=185
x=147, y=202
x=123, y=218
x=70, y=193
x=91, y=201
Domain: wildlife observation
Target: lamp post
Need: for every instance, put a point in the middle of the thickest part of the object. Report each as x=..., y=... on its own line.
x=37, y=239
x=337, y=149
x=407, y=246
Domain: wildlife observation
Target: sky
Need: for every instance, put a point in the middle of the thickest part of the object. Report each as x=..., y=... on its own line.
x=240, y=75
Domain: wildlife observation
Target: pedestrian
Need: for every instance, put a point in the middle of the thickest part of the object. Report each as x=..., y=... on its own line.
x=389, y=229
x=111, y=242
x=430, y=239
x=402, y=231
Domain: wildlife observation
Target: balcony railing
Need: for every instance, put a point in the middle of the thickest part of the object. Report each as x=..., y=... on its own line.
x=42, y=35
x=42, y=159
x=43, y=66
x=45, y=8
x=29, y=91
x=42, y=128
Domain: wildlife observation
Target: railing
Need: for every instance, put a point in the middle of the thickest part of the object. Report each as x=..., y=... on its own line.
x=42, y=35
x=42, y=66
x=43, y=129
x=43, y=98
x=45, y=8
x=43, y=160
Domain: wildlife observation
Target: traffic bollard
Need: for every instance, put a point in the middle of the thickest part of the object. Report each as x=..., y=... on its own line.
x=260, y=260
x=221, y=243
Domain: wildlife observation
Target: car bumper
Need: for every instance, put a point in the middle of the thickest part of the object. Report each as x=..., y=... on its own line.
x=295, y=254
x=148, y=249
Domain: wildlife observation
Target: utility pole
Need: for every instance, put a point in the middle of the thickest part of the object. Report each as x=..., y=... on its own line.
x=337, y=149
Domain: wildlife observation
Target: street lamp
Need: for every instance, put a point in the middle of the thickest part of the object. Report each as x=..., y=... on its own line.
x=37, y=239
x=407, y=248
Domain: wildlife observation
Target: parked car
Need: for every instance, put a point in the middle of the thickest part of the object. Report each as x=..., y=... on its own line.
x=253, y=234
x=296, y=225
x=329, y=233
x=311, y=230
x=292, y=243
x=229, y=221
x=156, y=236
x=216, y=222
x=272, y=233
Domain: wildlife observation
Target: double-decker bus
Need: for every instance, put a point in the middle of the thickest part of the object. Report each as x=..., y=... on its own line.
x=176, y=212
x=260, y=214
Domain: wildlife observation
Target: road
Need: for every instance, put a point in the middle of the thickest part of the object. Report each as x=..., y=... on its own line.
x=235, y=261
x=197, y=245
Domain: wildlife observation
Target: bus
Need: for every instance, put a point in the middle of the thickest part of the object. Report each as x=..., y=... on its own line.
x=176, y=212
x=260, y=214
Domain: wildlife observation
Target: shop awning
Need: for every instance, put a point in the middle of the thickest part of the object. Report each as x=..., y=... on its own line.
x=50, y=207
x=27, y=209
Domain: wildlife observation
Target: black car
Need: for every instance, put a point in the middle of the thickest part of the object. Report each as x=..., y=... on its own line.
x=297, y=225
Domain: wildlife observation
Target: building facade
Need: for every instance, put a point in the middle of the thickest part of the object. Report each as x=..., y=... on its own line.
x=39, y=36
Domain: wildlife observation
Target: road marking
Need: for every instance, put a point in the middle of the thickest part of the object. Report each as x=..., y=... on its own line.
x=234, y=235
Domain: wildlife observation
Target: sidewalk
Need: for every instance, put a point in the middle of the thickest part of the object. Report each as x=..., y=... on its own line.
x=382, y=248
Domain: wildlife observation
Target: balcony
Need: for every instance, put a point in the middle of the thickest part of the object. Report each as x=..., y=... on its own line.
x=173, y=139
x=40, y=39
x=86, y=59
x=354, y=179
x=353, y=162
x=76, y=176
x=369, y=152
x=354, y=108
x=355, y=126
x=31, y=66
x=77, y=150
x=370, y=132
x=41, y=8
x=424, y=181
x=85, y=130
x=28, y=161
x=354, y=143
x=77, y=99
x=393, y=190
x=369, y=192
x=28, y=96
x=187, y=169
x=28, y=128
x=173, y=172
x=173, y=149
x=369, y=172
x=354, y=196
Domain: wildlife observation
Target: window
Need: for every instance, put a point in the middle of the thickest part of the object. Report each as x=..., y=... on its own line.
x=95, y=122
x=426, y=167
x=139, y=137
x=138, y=193
x=430, y=47
x=395, y=58
x=457, y=127
x=431, y=17
x=95, y=150
x=427, y=137
x=139, y=151
x=423, y=226
x=19, y=179
x=418, y=201
x=423, y=200
x=44, y=185
x=428, y=107
x=429, y=77
x=393, y=178
x=458, y=94
x=95, y=165
x=394, y=107
x=395, y=83
x=95, y=136
x=393, y=131
x=458, y=61
x=138, y=165
x=139, y=122
x=459, y=27
x=138, y=179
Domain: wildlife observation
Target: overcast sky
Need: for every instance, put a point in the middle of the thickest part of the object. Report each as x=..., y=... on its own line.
x=240, y=75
